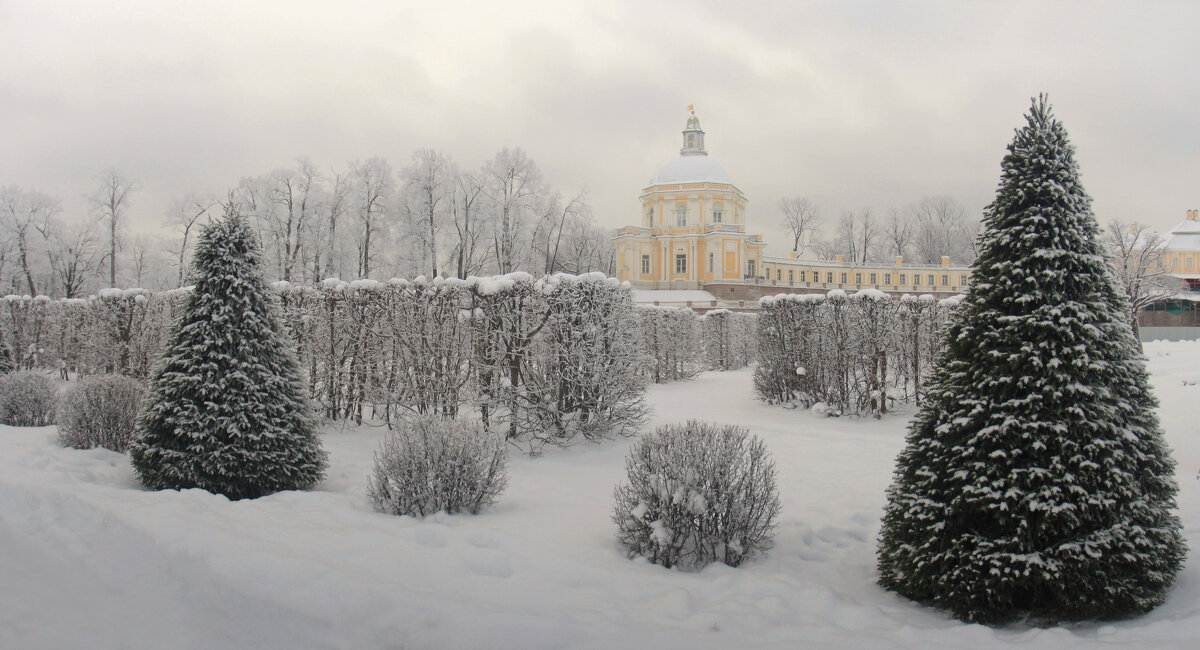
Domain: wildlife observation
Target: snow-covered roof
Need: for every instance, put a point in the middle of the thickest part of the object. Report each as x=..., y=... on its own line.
x=648, y=296
x=1184, y=242
x=692, y=168
x=1187, y=226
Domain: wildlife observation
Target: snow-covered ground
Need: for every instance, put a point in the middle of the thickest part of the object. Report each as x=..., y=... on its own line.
x=88, y=559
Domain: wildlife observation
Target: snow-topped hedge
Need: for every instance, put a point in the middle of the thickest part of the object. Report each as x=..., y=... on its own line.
x=697, y=493
x=670, y=339
x=728, y=339
x=850, y=353
x=548, y=359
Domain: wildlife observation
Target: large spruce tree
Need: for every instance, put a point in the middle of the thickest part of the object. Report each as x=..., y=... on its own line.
x=1035, y=483
x=227, y=409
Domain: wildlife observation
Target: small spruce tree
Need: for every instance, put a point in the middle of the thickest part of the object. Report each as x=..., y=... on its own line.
x=1035, y=483
x=227, y=410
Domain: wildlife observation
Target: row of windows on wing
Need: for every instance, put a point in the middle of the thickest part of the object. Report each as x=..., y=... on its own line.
x=1187, y=261
x=681, y=264
x=873, y=278
x=718, y=214
x=681, y=268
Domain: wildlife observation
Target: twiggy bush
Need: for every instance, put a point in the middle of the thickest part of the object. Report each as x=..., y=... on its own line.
x=431, y=464
x=697, y=493
x=27, y=399
x=99, y=411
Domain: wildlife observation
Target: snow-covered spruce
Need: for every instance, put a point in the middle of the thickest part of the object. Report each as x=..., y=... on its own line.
x=697, y=493
x=27, y=399
x=432, y=464
x=99, y=411
x=1035, y=482
x=227, y=410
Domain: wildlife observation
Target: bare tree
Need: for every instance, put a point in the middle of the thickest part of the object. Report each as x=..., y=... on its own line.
x=470, y=253
x=899, y=232
x=143, y=253
x=23, y=212
x=185, y=213
x=585, y=246
x=554, y=220
x=72, y=254
x=943, y=227
x=1135, y=254
x=111, y=201
x=857, y=235
x=337, y=201
x=514, y=184
x=429, y=185
x=373, y=183
x=802, y=219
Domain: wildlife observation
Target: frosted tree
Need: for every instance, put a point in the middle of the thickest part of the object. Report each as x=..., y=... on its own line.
x=513, y=184
x=227, y=409
x=802, y=220
x=1136, y=254
x=111, y=202
x=1035, y=482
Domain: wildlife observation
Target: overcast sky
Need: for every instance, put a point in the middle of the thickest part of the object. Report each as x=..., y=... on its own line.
x=854, y=105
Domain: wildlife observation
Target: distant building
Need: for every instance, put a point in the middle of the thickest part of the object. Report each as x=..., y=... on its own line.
x=1181, y=251
x=692, y=243
x=1178, y=317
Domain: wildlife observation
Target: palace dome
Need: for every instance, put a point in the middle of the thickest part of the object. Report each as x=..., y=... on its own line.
x=691, y=168
x=693, y=164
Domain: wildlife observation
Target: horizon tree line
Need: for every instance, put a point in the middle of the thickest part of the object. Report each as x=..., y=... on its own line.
x=367, y=220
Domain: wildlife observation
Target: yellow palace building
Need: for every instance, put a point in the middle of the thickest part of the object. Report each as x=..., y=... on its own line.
x=692, y=244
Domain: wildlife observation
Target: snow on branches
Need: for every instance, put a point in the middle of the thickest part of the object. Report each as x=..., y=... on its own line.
x=855, y=353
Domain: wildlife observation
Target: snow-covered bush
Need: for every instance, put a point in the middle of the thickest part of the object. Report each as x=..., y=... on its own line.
x=697, y=493
x=99, y=411
x=27, y=399
x=433, y=465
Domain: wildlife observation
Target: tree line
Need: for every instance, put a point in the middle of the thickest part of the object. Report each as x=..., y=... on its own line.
x=368, y=219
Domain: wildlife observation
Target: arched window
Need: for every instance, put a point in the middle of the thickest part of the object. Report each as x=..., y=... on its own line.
x=681, y=214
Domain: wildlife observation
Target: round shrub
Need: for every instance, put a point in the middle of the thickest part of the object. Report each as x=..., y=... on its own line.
x=27, y=399
x=99, y=411
x=432, y=464
x=697, y=493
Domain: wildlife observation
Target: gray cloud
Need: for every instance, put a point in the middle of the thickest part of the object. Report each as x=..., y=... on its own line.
x=851, y=104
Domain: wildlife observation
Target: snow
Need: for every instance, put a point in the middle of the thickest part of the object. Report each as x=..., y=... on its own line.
x=648, y=296
x=692, y=168
x=89, y=559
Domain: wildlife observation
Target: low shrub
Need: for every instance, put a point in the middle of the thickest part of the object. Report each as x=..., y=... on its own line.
x=432, y=464
x=27, y=399
x=99, y=411
x=697, y=493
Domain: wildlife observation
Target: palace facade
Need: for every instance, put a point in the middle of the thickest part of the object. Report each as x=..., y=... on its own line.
x=693, y=236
